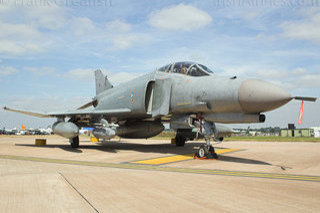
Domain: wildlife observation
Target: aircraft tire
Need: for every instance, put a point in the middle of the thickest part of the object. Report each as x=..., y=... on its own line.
x=75, y=142
x=180, y=140
x=202, y=151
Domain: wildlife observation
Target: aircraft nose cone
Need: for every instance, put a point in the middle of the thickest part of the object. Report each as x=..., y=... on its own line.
x=259, y=96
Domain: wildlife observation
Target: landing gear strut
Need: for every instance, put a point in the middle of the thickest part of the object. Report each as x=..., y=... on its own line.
x=74, y=142
x=207, y=150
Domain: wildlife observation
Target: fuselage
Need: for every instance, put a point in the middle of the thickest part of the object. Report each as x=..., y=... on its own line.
x=210, y=94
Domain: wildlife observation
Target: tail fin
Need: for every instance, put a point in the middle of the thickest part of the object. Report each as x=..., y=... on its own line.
x=102, y=82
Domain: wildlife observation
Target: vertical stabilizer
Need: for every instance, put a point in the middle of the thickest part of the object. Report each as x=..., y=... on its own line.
x=102, y=82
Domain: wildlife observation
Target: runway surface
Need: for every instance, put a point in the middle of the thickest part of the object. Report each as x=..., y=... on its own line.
x=150, y=175
x=169, y=169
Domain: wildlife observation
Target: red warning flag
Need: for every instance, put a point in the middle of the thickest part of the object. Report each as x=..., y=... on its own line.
x=301, y=113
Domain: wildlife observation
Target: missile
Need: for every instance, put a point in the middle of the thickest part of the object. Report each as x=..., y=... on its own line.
x=104, y=133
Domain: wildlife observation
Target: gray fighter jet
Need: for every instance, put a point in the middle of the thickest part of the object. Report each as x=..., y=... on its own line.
x=187, y=95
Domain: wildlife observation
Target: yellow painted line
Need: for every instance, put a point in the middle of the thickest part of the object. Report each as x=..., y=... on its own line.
x=169, y=169
x=177, y=158
x=164, y=160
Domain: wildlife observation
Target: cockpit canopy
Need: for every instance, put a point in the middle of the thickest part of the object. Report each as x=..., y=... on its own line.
x=187, y=68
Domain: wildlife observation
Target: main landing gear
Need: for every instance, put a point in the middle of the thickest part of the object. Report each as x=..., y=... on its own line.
x=180, y=140
x=74, y=142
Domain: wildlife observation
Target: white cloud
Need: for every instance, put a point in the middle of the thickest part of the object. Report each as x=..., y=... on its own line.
x=308, y=29
x=81, y=74
x=299, y=71
x=9, y=47
x=37, y=31
x=268, y=74
x=87, y=75
x=27, y=30
x=18, y=31
x=17, y=39
x=40, y=70
x=6, y=6
x=288, y=79
x=271, y=74
x=7, y=70
x=237, y=71
x=120, y=35
x=19, y=47
x=124, y=41
x=82, y=25
x=120, y=77
x=309, y=81
x=180, y=17
x=114, y=35
x=50, y=17
x=118, y=26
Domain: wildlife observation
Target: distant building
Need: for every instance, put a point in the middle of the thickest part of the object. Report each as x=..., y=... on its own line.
x=297, y=133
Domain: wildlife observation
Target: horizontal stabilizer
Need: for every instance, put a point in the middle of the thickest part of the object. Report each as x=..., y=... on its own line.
x=313, y=99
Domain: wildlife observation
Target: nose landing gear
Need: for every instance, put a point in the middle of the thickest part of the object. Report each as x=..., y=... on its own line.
x=207, y=151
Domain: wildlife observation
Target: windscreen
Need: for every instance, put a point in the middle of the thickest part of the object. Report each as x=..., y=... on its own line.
x=187, y=68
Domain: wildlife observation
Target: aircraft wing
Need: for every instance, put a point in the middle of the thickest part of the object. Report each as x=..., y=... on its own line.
x=111, y=112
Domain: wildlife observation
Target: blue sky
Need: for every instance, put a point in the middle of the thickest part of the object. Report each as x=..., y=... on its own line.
x=49, y=49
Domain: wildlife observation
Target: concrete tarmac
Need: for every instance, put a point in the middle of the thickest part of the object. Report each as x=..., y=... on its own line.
x=103, y=177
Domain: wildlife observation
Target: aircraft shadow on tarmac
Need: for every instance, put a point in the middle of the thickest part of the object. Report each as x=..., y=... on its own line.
x=114, y=147
x=242, y=160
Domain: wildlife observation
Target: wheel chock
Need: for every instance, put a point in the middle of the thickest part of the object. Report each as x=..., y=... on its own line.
x=209, y=156
x=94, y=139
x=40, y=142
x=173, y=141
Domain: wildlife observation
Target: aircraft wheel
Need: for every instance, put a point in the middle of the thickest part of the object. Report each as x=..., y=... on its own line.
x=180, y=140
x=75, y=142
x=202, y=151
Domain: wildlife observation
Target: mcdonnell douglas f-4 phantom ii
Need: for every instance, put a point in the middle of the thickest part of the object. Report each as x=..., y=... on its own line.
x=185, y=94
